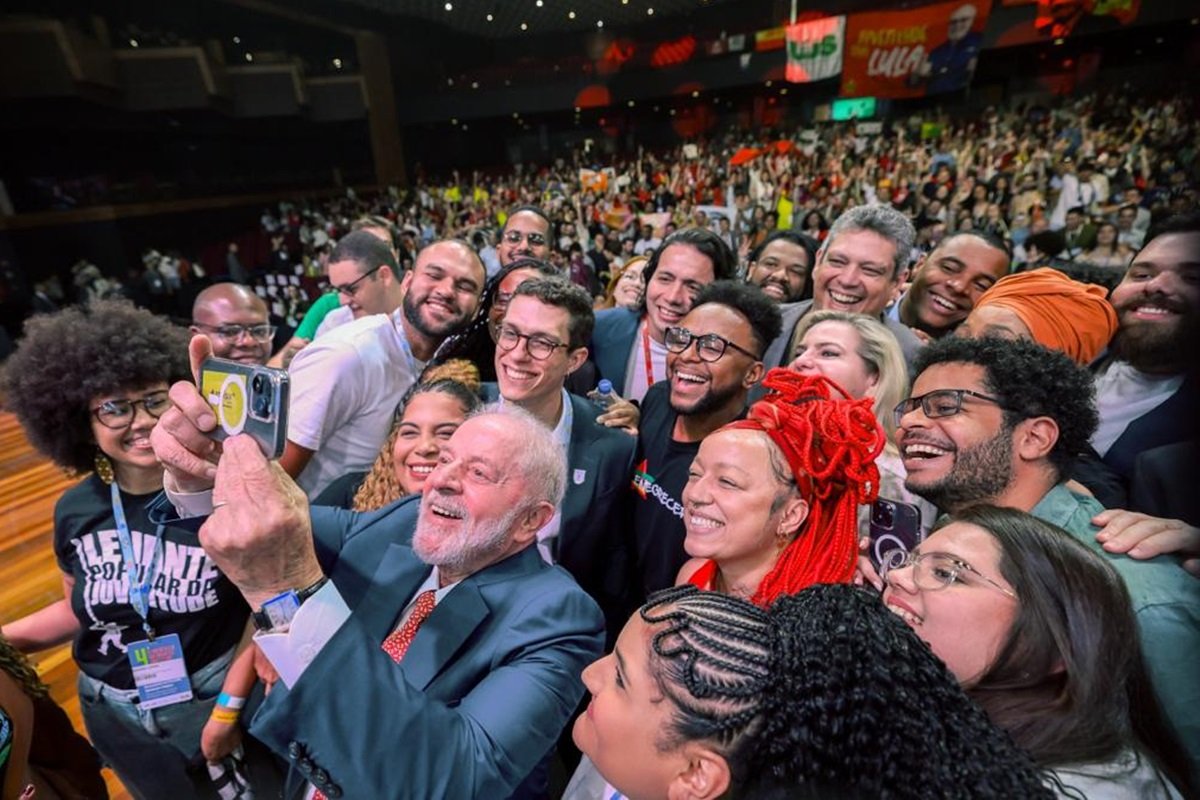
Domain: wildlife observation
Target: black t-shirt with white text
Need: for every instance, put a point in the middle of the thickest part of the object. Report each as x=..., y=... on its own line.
x=188, y=596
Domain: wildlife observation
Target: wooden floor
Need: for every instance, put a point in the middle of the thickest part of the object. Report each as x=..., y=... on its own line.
x=29, y=576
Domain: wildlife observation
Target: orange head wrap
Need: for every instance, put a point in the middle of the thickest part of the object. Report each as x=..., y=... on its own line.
x=830, y=442
x=1062, y=314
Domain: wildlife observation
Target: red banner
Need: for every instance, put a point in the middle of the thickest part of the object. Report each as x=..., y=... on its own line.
x=1056, y=19
x=913, y=53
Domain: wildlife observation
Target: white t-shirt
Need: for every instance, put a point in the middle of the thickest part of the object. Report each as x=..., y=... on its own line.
x=1122, y=395
x=636, y=383
x=334, y=319
x=345, y=387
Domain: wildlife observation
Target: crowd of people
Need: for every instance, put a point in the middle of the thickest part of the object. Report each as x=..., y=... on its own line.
x=779, y=462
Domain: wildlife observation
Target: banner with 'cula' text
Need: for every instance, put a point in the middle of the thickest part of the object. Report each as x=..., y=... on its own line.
x=914, y=53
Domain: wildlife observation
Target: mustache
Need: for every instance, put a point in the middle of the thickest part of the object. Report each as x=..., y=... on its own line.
x=1158, y=299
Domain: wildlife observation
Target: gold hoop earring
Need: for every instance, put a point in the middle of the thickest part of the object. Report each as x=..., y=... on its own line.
x=103, y=467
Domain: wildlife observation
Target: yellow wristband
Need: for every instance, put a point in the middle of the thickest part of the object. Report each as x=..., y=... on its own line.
x=226, y=715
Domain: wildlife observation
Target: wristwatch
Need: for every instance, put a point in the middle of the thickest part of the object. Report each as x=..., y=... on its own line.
x=276, y=614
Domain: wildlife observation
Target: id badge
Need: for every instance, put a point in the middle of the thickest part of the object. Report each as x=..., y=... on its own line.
x=159, y=672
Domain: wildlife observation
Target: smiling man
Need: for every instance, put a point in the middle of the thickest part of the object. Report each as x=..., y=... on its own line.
x=1002, y=421
x=1149, y=391
x=541, y=340
x=526, y=234
x=714, y=357
x=437, y=609
x=346, y=384
x=859, y=269
x=235, y=319
x=364, y=272
x=628, y=346
x=948, y=282
x=780, y=266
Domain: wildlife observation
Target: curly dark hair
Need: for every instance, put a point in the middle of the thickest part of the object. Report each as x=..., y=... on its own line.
x=570, y=297
x=1030, y=381
x=829, y=688
x=748, y=300
x=713, y=247
x=67, y=359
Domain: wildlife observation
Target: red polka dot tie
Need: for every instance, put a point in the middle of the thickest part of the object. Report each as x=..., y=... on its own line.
x=397, y=642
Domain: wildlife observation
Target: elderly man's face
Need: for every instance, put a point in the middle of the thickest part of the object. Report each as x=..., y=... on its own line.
x=960, y=23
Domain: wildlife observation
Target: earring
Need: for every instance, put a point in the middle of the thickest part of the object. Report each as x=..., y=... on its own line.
x=104, y=468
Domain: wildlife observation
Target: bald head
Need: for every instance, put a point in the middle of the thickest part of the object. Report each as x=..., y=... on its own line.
x=235, y=319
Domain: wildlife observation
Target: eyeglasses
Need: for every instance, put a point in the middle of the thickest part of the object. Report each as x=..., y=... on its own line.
x=117, y=414
x=940, y=403
x=709, y=347
x=350, y=288
x=932, y=571
x=515, y=237
x=540, y=347
x=231, y=333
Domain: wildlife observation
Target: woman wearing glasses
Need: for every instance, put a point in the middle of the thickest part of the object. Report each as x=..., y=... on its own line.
x=771, y=501
x=1040, y=632
x=88, y=386
x=824, y=694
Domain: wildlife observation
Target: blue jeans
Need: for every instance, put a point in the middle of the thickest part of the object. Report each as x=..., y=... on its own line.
x=155, y=753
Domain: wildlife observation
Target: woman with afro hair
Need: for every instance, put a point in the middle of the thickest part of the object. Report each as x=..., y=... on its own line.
x=88, y=386
x=824, y=694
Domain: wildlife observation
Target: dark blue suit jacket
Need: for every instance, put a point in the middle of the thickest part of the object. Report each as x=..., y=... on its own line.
x=485, y=689
x=612, y=338
x=596, y=509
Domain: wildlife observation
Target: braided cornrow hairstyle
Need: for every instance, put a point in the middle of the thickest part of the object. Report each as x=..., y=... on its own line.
x=381, y=486
x=855, y=699
x=13, y=662
x=830, y=442
x=711, y=658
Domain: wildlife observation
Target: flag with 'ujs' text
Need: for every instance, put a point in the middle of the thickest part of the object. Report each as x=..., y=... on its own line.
x=814, y=49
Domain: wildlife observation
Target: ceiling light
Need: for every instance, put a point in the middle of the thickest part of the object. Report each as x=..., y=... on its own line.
x=464, y=126
x=650, y=12
x=769, y=84
x=454, y=121
x=237, y=40
x=449, y=6
x=783, y=90
x=524, y=26
x=474, y=84
x=631, y=104
x=538, y=3
x=249, y=56
x=490, y=18
x=516, y=115
x=696, y=93
x=337, y=63
x=133, y=43
x=570, y=15
x=599, y=23
x=449, y=81
x=672, y=112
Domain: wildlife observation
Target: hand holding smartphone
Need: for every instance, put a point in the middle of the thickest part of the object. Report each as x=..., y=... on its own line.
x=247, y=399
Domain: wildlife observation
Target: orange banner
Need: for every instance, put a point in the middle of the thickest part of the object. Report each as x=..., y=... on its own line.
x=924, y=51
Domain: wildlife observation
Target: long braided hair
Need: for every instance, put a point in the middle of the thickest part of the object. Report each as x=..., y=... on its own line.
x=830, y=442
x=824, y=691
x=21, y=670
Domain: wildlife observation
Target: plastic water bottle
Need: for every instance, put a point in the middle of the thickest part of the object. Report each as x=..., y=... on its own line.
x=603, y=395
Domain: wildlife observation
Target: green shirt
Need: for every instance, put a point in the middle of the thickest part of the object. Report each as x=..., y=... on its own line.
x=316, y=312
x=1166, y=602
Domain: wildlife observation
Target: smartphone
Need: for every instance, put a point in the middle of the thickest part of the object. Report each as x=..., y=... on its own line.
x=894, y=526
x=247, y=399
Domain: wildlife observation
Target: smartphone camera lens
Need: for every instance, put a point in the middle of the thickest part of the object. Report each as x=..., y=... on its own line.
x=883, y=515
x=261, y=404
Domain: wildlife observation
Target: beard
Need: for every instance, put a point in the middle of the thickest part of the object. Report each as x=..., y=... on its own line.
x=1155, y=347
x=412, y=313
x=708, y=402
x=980, y=473
x=467, y=547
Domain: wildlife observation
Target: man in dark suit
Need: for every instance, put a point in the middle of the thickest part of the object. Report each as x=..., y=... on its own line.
x=424, y=650
x=1148, y=388
x=627, y=346
x=541, y=340
x=859, y=269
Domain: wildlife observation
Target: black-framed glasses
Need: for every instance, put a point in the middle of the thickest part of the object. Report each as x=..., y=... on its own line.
x=350, y=288
x=515, y=237
x=231, y=333
x=709, y=347
x=120, y=413
x=933, y=571
x=538, y=346
x=940, y=403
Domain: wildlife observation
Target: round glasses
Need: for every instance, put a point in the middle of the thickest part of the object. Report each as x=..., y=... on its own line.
x=540, y=347
x=709, y=347
x=932, y=571
x=118, y=414
x=939, y=403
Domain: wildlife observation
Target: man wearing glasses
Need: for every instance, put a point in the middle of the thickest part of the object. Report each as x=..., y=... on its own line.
x=714, y=356
x=1001, y=421
x=526, y=234
x=235, y=319
x=541, y=340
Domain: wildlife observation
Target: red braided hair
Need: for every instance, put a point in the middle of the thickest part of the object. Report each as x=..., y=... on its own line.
x=830, y=442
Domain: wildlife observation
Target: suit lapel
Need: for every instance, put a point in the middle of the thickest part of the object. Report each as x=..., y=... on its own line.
x=583, y=461
x=454, y=619
x=393, y=586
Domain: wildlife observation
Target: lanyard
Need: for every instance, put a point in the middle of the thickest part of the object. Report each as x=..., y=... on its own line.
x=139, y=593
x=646, y=353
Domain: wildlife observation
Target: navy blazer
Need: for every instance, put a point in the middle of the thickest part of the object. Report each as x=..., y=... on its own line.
x=612, y=339
x=596, y=509
x=485, y=689
x=1174, y=420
